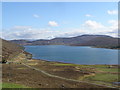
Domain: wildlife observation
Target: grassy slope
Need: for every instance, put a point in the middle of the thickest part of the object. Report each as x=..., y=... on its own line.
x=9, y=50
x=12, y=85
x=103, y=73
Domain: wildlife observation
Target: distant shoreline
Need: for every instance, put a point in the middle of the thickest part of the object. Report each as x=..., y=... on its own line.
x=99, y=41
x=78, y=46
x=70, y=63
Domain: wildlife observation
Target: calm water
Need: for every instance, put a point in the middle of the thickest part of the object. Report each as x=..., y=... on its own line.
x=74, y=54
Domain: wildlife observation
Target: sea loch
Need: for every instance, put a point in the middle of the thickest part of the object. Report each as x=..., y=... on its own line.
x=74, y=54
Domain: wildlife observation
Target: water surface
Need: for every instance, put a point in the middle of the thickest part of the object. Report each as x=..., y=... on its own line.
x=74, y=54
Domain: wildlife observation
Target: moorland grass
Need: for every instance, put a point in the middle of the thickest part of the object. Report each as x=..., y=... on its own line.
x=12, y=85
x=103, y=73
x=104, y=77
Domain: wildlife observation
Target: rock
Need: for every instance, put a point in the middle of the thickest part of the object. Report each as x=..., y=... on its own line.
x=62, y=86
x=46, y=84
x=40, y=84
x=116, y=83
x=9, y=80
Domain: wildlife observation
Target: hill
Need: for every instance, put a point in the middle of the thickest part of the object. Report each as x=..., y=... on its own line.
x=105, y=42
x=10, y=50
x=83, y=40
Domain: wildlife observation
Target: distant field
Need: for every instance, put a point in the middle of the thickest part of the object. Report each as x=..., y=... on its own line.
x=102, y=73
x=12, y=85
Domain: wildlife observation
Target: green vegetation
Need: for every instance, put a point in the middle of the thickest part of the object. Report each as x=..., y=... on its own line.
x=103, y=74
x=103, y=77
x=12, y=85
x=108, y=69
x=63, y=64
x=67, y=64
x=21, y=68
x=99, y=68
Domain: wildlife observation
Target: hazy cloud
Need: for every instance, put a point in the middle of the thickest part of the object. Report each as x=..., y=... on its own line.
x=88, y=27
x=88, y=15
x=94, y=27
x=23, y=32
x=112, y=12
x=52, y=23
x=93, y=24
x=36, y=16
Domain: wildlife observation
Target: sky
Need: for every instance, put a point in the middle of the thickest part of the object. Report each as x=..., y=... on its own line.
x=47, y=20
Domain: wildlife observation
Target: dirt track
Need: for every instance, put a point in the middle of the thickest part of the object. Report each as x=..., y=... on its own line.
x=20, y=74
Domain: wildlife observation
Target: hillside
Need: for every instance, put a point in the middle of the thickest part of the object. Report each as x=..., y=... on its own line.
x=21, y=42
x=83, y=40
x=10, y=50
x=100, y=42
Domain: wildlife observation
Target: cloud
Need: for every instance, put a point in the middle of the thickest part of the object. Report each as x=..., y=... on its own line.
x=36, y=16
x=112, y=12
x=52, y=23
x=93, y=24
x=114, y=24
x=88, y=15
x=94, y=27
x=28, y=32
x=88, y=27
x=20, y=27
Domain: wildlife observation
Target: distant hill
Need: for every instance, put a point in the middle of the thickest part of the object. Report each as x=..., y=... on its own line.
x=79, y=40
x=10, y=50
x=83, y=40
x=100, y=42
x=21, y=42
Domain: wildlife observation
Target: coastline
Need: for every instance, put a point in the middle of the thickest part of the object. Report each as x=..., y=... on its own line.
x=76, y=46
x=71, y=63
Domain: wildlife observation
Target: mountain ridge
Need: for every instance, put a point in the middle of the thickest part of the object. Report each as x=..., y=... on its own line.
x=82, y=40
